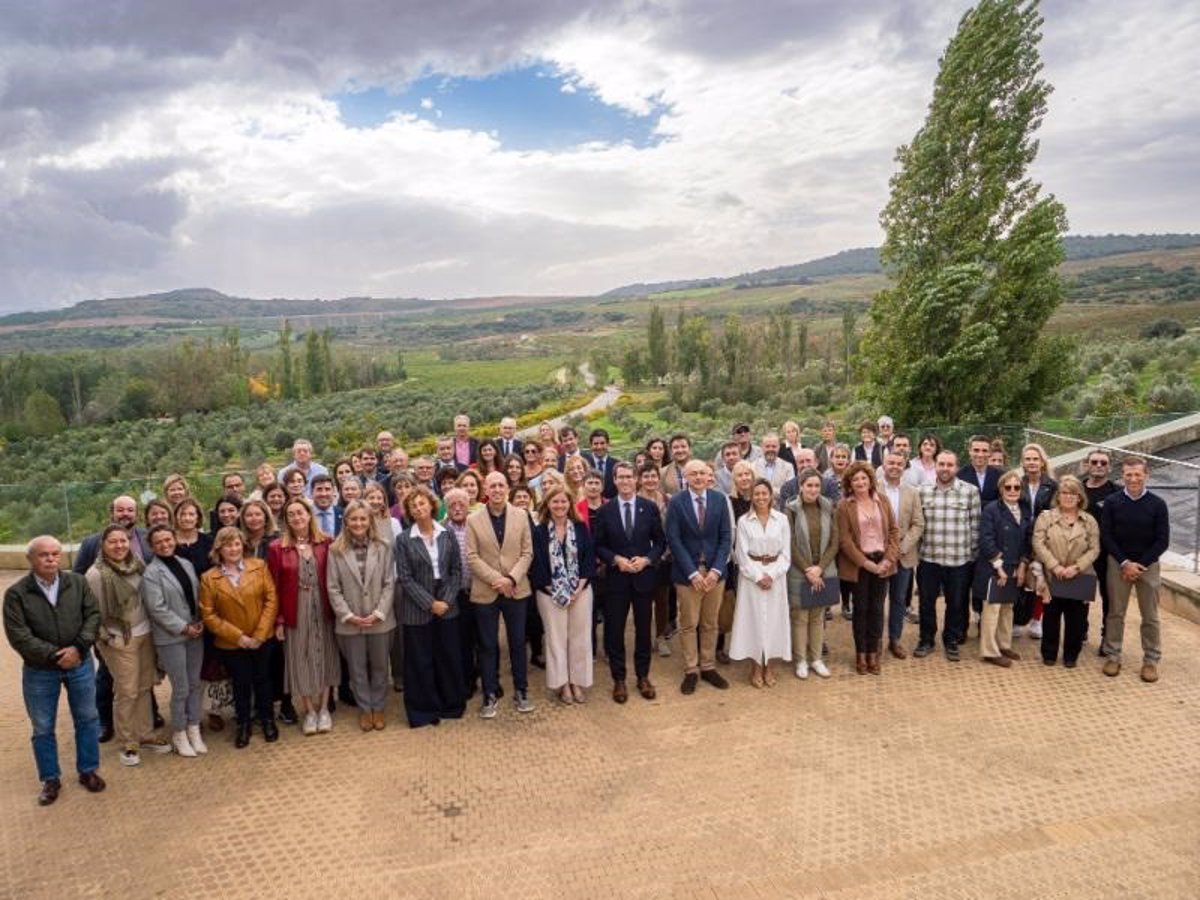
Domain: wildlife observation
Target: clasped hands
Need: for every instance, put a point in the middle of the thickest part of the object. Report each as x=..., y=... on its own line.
x=631, y=566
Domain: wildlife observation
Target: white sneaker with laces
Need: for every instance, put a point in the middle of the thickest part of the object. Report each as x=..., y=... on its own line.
x=179, y=740
x=324, y=722
x=664, y=649
x=131, y=757
x=310, y=723
x=820, y=669
x=802, y=669
x=194, y=738
x=1035, y=628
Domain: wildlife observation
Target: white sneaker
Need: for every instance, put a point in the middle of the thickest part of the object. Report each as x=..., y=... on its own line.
x=179, y=740
x=310, y=723
x=1035, y=628
x=194, y=738
x=820, y=669
x=802, y=670
x=1016, y=631
x=664, y=649
x=156, y=745
x=324, y=722
x=131, y=757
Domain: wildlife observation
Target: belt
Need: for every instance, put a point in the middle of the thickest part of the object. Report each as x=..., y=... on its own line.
x=765, y=560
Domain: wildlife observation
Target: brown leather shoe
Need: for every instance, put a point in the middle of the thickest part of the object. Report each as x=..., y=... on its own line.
x=379, y=720
x=92, y=782
x=620, y=692
x=1149, y=673
x=860, y=663
x=646, y=689
x=1112, y=668
x=1009, y=654
x=896, y=650
x=215, y=722
x=1002, y=661
x=366, y=721
x=873, y=663
x=50, y=789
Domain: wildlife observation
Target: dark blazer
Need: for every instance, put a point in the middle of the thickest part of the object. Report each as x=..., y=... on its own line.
x=539, y=571
x=876, y=460
x=89, y=549
x=338, y=512
x=990, y=489
x=1000, y=533
x=1047, y=488
x=649, y=540
x=605, y=468
x=414, y=571
x=689, y=543
x=517, y=446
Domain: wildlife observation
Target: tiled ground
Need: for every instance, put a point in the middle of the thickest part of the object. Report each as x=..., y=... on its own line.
x=934, y=780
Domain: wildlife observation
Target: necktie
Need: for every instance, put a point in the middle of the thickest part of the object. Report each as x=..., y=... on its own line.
x=700, y=511
x=507, y=447
x=628, y=520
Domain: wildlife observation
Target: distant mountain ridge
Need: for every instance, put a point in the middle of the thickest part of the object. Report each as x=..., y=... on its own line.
x=865, y=261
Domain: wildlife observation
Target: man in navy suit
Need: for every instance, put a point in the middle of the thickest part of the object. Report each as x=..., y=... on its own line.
x=978, y=472
x=699, y=534
x=328, y=513
x=987, y=479
x=629, y=539
x=600, y=460
x=508, y=443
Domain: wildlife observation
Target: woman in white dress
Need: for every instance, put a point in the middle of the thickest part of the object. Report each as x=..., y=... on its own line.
x=763, y=547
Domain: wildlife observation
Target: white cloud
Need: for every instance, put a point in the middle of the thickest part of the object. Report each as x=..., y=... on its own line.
x=164, y=146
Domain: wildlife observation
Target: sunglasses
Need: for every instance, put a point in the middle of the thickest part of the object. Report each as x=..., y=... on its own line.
x=1098, y=462
x=1011, y=487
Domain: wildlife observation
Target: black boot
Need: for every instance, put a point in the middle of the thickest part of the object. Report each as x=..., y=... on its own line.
x=243, y=735
x=270, y=732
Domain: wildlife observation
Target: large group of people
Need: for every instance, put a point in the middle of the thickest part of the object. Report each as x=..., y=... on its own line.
x=315, y=586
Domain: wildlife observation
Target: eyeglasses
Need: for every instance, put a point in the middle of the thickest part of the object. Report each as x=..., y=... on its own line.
x=1011, y=487
x=532, y=452
x=1097, y=462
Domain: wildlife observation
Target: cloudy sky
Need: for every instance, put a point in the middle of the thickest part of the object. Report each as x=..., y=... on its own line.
x=468, y=147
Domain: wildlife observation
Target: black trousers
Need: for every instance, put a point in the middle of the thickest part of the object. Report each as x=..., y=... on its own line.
x=468, y=639
x=1068, y=617
x=433, y=672
x=250, y=672
x=620, y=595
x=104, y=692
x=870, y=596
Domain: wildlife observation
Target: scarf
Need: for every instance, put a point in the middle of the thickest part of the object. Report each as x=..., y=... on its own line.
x=175, y=567
x=564, y=566
x=119, y=598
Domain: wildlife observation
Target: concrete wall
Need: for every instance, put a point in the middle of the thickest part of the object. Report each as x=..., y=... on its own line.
x=1148, y=440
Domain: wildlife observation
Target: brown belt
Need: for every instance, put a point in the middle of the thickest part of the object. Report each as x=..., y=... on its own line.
x=765, y=560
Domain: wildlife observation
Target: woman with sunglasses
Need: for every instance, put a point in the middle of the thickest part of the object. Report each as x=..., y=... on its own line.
x=1004, y=549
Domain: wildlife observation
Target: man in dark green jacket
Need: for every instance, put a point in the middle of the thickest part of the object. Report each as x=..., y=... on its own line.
x=51, y=619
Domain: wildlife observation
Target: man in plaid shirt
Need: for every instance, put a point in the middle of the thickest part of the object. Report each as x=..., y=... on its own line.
x=948, y=549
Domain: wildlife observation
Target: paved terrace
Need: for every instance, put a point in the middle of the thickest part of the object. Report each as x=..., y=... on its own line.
x=935, y=780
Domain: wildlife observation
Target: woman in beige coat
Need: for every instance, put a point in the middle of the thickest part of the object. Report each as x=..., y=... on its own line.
x=1066, y=543
x=361, y=578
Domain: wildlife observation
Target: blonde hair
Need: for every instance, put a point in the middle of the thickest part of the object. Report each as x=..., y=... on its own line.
x=1071, y=485
x=342, y=543
x=224, y=537
x=1041, y=452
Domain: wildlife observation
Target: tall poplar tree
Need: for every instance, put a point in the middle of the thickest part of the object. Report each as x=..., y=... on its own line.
x=971, y=246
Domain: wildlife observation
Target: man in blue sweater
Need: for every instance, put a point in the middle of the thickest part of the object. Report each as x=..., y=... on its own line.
x=1134, y=531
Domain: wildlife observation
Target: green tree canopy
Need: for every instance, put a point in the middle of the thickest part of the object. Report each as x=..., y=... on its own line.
x=971, y=246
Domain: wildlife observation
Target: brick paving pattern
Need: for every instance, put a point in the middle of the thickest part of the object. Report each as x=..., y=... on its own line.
x=935, y=780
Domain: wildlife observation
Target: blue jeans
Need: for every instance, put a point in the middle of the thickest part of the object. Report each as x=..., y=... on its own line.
x=898, y=586
x=955, y=583
x=487, y=621
x=41, y=690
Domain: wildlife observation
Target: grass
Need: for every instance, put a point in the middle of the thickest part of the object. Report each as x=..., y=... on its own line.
x=424, y=366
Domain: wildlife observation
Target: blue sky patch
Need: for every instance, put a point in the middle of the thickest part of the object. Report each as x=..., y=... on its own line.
x=532, y=108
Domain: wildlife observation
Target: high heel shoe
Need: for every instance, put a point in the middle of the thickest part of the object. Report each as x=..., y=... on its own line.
x=756, y=679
